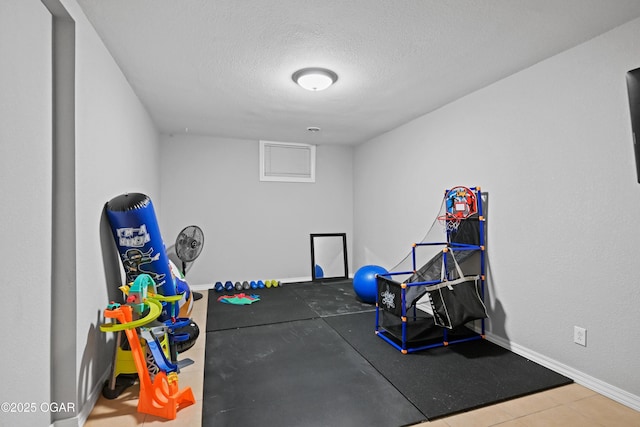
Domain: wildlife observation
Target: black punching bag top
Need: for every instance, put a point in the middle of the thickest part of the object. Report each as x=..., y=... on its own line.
x=127, y=202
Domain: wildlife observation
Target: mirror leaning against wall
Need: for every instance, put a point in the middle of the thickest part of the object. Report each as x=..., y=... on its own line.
x=329, y=256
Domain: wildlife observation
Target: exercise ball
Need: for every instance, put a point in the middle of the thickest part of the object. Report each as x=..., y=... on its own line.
x=365, y=284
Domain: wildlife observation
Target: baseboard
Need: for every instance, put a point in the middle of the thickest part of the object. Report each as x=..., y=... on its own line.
x=83, y=415
x=601, y=387
x=296, y=279
x=67, y=422
x=206, y=286
x=203, y=287
x=93, y=397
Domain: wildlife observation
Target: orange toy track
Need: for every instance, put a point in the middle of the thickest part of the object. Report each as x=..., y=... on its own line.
x=161, y=397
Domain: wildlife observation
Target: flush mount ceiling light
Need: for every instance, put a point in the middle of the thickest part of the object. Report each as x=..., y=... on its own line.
x=314, y=79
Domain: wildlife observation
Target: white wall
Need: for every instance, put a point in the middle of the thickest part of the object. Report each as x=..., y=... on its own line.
x=551, y=146
x=116, y=151
x=25, y=211
x=253, y=230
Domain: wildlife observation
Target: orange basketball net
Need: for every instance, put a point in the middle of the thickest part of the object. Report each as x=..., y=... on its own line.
x=451, y=222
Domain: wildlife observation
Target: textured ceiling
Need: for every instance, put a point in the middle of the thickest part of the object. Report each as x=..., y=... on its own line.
x=223, y=67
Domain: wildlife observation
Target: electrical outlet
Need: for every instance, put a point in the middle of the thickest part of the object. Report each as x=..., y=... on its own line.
x=580, y=335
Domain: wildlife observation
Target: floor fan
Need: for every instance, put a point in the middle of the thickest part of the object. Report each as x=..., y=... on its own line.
x=188, y=247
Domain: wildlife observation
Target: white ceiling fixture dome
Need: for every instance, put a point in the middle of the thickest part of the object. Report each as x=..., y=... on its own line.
x=314, y=79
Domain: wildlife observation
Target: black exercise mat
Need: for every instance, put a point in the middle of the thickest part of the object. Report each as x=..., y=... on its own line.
x=446, y=380
x=299, y=373
x=330, y=298
x=280, y=304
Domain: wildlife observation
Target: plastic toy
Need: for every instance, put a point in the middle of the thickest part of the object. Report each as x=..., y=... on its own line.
x=453, y=297
x=461, y=203
x=138, y=239
x=239, y=299
x=142, y=251
x=161, y=396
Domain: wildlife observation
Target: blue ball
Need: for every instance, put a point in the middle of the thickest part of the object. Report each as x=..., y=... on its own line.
x=365, y=284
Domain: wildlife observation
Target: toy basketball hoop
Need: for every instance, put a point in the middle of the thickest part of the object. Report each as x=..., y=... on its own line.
x=461, y=203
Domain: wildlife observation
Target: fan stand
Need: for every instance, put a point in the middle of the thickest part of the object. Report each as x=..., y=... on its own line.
x=196, y=295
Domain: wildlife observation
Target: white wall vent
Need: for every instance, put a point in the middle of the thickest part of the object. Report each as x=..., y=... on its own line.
x=287, y=162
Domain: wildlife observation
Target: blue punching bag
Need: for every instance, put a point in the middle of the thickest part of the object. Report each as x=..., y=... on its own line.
x=137, y=235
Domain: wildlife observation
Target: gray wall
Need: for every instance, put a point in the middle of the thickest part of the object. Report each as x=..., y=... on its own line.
x=253, y=230
x=552, y=148
x=53, y=348
x=25, y=211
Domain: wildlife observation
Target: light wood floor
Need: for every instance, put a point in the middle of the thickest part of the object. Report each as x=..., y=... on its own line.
x=567, y=406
